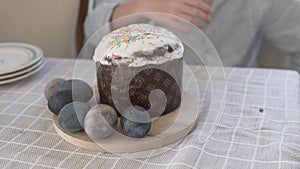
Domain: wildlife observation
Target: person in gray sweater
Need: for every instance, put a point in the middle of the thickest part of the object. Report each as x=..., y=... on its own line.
x=235, y=27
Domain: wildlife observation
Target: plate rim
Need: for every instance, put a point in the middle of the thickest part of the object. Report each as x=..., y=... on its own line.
x=23, y=76
x=23, y=71
x=37, y=54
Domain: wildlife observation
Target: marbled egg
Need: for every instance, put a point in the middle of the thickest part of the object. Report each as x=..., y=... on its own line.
x=71, y=116
x=57, y=101
x=135, y=121
x=100, y=122
x=52, y=87
x=79, y=86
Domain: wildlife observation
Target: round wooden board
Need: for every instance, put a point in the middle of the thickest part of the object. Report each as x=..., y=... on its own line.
x=164, y=130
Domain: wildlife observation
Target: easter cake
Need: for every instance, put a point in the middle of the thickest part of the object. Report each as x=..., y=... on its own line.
x=133, y=61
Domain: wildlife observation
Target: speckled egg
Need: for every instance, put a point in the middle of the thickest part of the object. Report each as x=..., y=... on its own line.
x=52, y=87
x=57, y=101
x=135, y=122
x=79, y=86
x=71, y=116
x=100, y=122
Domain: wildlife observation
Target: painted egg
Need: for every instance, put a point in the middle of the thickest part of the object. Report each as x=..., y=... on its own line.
x=71, y=116
x=135, y=121
x=79, y=86
x=52, y=87
x=57, y=101
x=100, y=122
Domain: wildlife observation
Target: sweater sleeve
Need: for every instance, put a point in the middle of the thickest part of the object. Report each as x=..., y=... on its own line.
x=281, y=25
x=99, y=16
x=97, y=24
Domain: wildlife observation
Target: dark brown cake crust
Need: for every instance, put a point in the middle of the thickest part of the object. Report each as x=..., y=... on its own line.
x=117, y=83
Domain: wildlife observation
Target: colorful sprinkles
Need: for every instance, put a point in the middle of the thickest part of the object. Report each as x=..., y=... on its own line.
x=135, y=33
x=121, y=45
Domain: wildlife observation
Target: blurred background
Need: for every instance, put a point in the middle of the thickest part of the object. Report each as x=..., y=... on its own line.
x=57, y=27
x=49, y=24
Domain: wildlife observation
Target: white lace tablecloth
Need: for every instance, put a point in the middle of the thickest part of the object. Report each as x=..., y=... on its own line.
x=259, y=127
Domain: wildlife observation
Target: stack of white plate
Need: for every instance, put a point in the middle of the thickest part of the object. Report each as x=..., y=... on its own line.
x=19, y=61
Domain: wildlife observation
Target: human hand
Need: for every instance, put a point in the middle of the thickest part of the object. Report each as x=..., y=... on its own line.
x=190, y=10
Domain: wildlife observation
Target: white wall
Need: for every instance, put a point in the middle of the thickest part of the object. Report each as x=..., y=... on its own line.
x=49, y=24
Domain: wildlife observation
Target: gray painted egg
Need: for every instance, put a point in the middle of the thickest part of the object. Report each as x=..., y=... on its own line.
x=52, y=87
x=57, y=101
x=100, y=122
x=71, y=116
x=135, y=121
x=79, y=86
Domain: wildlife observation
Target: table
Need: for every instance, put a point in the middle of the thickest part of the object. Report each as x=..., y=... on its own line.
x=259, y=126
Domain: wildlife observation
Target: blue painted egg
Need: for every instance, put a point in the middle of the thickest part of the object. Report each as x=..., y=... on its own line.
x=52, y=87
x=71, y=116
x=57, y=101
x=135, y=121
x=79, y=86
x=100, y=122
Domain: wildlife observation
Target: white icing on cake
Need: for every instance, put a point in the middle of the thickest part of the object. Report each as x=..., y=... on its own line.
x=138, y=45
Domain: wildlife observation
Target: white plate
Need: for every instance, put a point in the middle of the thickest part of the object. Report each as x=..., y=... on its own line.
x=23, y=76
x=23, y=71
x=17, y=56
